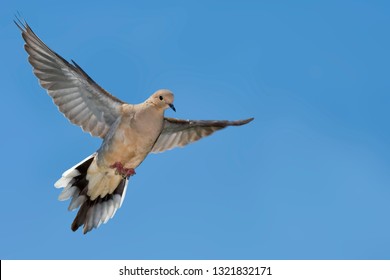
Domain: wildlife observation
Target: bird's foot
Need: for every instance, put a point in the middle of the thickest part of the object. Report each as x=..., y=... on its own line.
x=121, y=170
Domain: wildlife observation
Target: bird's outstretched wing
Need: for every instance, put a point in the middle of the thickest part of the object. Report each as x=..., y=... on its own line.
x=77, y=96
x=178, y=133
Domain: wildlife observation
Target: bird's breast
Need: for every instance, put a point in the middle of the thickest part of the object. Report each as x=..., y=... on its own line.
x=131, y=142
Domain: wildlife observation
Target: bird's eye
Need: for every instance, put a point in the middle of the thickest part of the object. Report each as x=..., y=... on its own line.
x=161, y=98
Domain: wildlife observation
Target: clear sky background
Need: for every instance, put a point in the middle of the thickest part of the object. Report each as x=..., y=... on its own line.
x=308, y=179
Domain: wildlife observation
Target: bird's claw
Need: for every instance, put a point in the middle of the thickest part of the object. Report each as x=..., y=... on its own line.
x=121, y=170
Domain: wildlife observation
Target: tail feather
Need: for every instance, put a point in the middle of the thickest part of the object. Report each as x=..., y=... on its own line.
x=92, y=213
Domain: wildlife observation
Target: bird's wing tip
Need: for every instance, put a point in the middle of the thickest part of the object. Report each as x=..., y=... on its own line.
x=242, y=122
x=20, y=22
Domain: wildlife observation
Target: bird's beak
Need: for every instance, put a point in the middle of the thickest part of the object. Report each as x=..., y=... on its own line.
x=172, y=107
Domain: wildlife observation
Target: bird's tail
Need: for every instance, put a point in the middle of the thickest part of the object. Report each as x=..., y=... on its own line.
x=92, y=213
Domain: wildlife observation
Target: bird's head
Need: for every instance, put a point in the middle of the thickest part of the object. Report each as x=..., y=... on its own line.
x=163, y=99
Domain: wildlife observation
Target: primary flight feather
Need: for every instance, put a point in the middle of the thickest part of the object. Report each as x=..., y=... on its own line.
x=97, y=185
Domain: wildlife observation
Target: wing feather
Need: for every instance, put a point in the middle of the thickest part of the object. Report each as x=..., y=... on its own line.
x=178, y=133
x=77, y=96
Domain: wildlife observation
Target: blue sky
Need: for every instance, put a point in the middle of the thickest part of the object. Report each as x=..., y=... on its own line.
x=308, y=179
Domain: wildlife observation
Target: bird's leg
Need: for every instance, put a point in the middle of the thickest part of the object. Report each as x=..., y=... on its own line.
x=118, y=167
x=120, y=170
x=129, y=172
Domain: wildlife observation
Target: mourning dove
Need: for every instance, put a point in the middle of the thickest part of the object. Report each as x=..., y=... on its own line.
x=97, y=185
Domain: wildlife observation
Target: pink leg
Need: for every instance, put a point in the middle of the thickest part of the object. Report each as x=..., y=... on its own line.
x=124, y=172
x=129, y=172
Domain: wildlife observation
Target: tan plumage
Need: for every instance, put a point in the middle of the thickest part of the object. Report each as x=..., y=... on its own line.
x=130, y=132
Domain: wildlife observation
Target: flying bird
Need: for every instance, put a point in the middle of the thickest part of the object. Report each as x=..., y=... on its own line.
x=97, y=185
